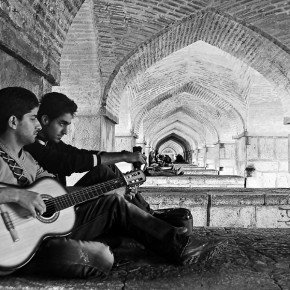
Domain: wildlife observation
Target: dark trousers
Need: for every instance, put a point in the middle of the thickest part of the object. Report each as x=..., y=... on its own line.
x=98, y=174
x=102, y=173
x=112, y=215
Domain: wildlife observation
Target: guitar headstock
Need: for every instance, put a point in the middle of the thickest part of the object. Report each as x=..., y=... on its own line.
x=134, y=178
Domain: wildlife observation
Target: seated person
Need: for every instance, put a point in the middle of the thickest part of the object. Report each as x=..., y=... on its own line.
x=179, y=159
x=109, y=213
x=55, y=115
x=167, y=160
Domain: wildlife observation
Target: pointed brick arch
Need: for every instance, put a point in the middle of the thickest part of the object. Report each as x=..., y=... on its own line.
x=179, y=140
x=258, y=51
x=217, y=107
x=167, y=126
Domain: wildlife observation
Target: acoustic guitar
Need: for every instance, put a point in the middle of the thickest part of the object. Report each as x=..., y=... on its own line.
x=21, y=234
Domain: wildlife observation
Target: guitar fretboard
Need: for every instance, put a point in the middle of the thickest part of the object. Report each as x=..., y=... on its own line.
x=85, y=194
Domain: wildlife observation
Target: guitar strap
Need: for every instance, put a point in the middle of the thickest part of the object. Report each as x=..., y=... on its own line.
x=15, y=168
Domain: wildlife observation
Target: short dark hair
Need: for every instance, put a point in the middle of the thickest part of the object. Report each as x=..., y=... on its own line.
x=56, y=104
x=15, y=101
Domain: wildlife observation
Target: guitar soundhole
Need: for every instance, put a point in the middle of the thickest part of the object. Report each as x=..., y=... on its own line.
x=51, y=214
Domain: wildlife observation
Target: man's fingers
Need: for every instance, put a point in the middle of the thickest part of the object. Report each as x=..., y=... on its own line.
x=32, y=210
x=40, y=207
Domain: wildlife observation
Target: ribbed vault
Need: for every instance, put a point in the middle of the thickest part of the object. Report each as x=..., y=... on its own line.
x=214, y=28
x=172, y=147
x=195, y=68
x=173, y=138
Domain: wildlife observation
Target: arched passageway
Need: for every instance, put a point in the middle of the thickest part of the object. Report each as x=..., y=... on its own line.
x=213, y=72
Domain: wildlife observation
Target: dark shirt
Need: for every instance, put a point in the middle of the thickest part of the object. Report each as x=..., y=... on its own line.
x=61, y=159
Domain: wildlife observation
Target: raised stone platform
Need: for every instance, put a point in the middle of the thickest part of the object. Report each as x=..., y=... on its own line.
x=195, y=181
x=201, y=172
x=226, y=207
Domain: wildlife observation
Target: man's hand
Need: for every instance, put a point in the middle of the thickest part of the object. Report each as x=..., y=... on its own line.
x=132, y=157
x=30, y=200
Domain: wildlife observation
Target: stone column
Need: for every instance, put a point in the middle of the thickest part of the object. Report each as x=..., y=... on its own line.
x=125, y=142
x=201, y=157
x=227, y=158
x=194, y=157
x=212, y=156
x=147, y=152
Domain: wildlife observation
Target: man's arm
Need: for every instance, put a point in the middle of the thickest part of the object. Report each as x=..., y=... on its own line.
x=62, y=159
x=125, y=156
x=25, y=198
x=66, y=159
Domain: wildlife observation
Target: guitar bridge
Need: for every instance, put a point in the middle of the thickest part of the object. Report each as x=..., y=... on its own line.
x=9, y=224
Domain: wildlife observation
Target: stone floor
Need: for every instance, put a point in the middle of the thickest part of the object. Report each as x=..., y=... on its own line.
x=249, y=259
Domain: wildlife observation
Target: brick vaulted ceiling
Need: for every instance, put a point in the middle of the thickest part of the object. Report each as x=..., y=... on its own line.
x=205, y=70
x=191, y=67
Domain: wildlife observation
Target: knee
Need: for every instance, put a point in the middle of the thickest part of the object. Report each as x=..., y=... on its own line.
x=77, y=259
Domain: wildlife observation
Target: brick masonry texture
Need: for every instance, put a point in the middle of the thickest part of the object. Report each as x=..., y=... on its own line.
x=208, y=71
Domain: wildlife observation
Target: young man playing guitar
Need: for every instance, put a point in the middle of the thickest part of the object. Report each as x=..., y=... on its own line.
x=55, y=115
x=107, y=214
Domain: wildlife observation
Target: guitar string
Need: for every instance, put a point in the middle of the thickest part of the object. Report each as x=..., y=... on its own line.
x=50, y=204
x=77, y=194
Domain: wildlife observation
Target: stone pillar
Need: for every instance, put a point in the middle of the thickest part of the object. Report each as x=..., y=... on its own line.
x=201, y=157
x=267, y=159
x=141, y=143
x=147, y=152
x=227, y=158
x=212, y=156
x=125, y=142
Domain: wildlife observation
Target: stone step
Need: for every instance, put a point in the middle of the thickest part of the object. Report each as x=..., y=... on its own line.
x=226, y=207
x=200, y=172
x=195, y=181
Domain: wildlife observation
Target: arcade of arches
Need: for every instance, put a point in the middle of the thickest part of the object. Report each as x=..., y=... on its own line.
x=208, y=79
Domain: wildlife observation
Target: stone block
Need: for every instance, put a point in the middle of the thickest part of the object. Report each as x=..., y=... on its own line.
x=227, y=162
x=159, y=198
x=253, y=182
x=283, y=166
x=282, y=180
x=199, y=215
x=226, y=216
x=253, y=149
x=266, y=148
x=269, y=179
x=201, y=172
x=282, y=148
x=237, y=198
x=272, y=217
x=266, y=166
x=277, y=197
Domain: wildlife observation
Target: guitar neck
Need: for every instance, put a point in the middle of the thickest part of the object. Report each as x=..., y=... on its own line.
x=87, y=193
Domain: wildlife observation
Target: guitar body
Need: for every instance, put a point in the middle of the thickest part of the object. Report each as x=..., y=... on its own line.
x=31, y=231
x=21, y=234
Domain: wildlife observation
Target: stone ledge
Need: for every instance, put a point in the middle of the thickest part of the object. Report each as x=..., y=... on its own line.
x=201, y=172
x=227, y=207
x=195, y=181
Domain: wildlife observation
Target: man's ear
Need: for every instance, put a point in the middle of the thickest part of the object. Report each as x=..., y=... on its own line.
x=44, y=120
x=12, y=122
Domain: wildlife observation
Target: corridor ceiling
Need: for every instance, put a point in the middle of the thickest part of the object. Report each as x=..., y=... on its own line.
x=196, y=68
x=204, y=70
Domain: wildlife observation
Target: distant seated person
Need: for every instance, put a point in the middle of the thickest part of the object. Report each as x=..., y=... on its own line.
x=167, y=160
x=157, y=170
x=179, y=159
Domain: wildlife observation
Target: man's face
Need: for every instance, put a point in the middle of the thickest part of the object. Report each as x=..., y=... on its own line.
x=28, y=127
x=54, y=130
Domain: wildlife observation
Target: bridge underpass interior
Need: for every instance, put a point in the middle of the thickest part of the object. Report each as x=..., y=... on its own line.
x=206, y=79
